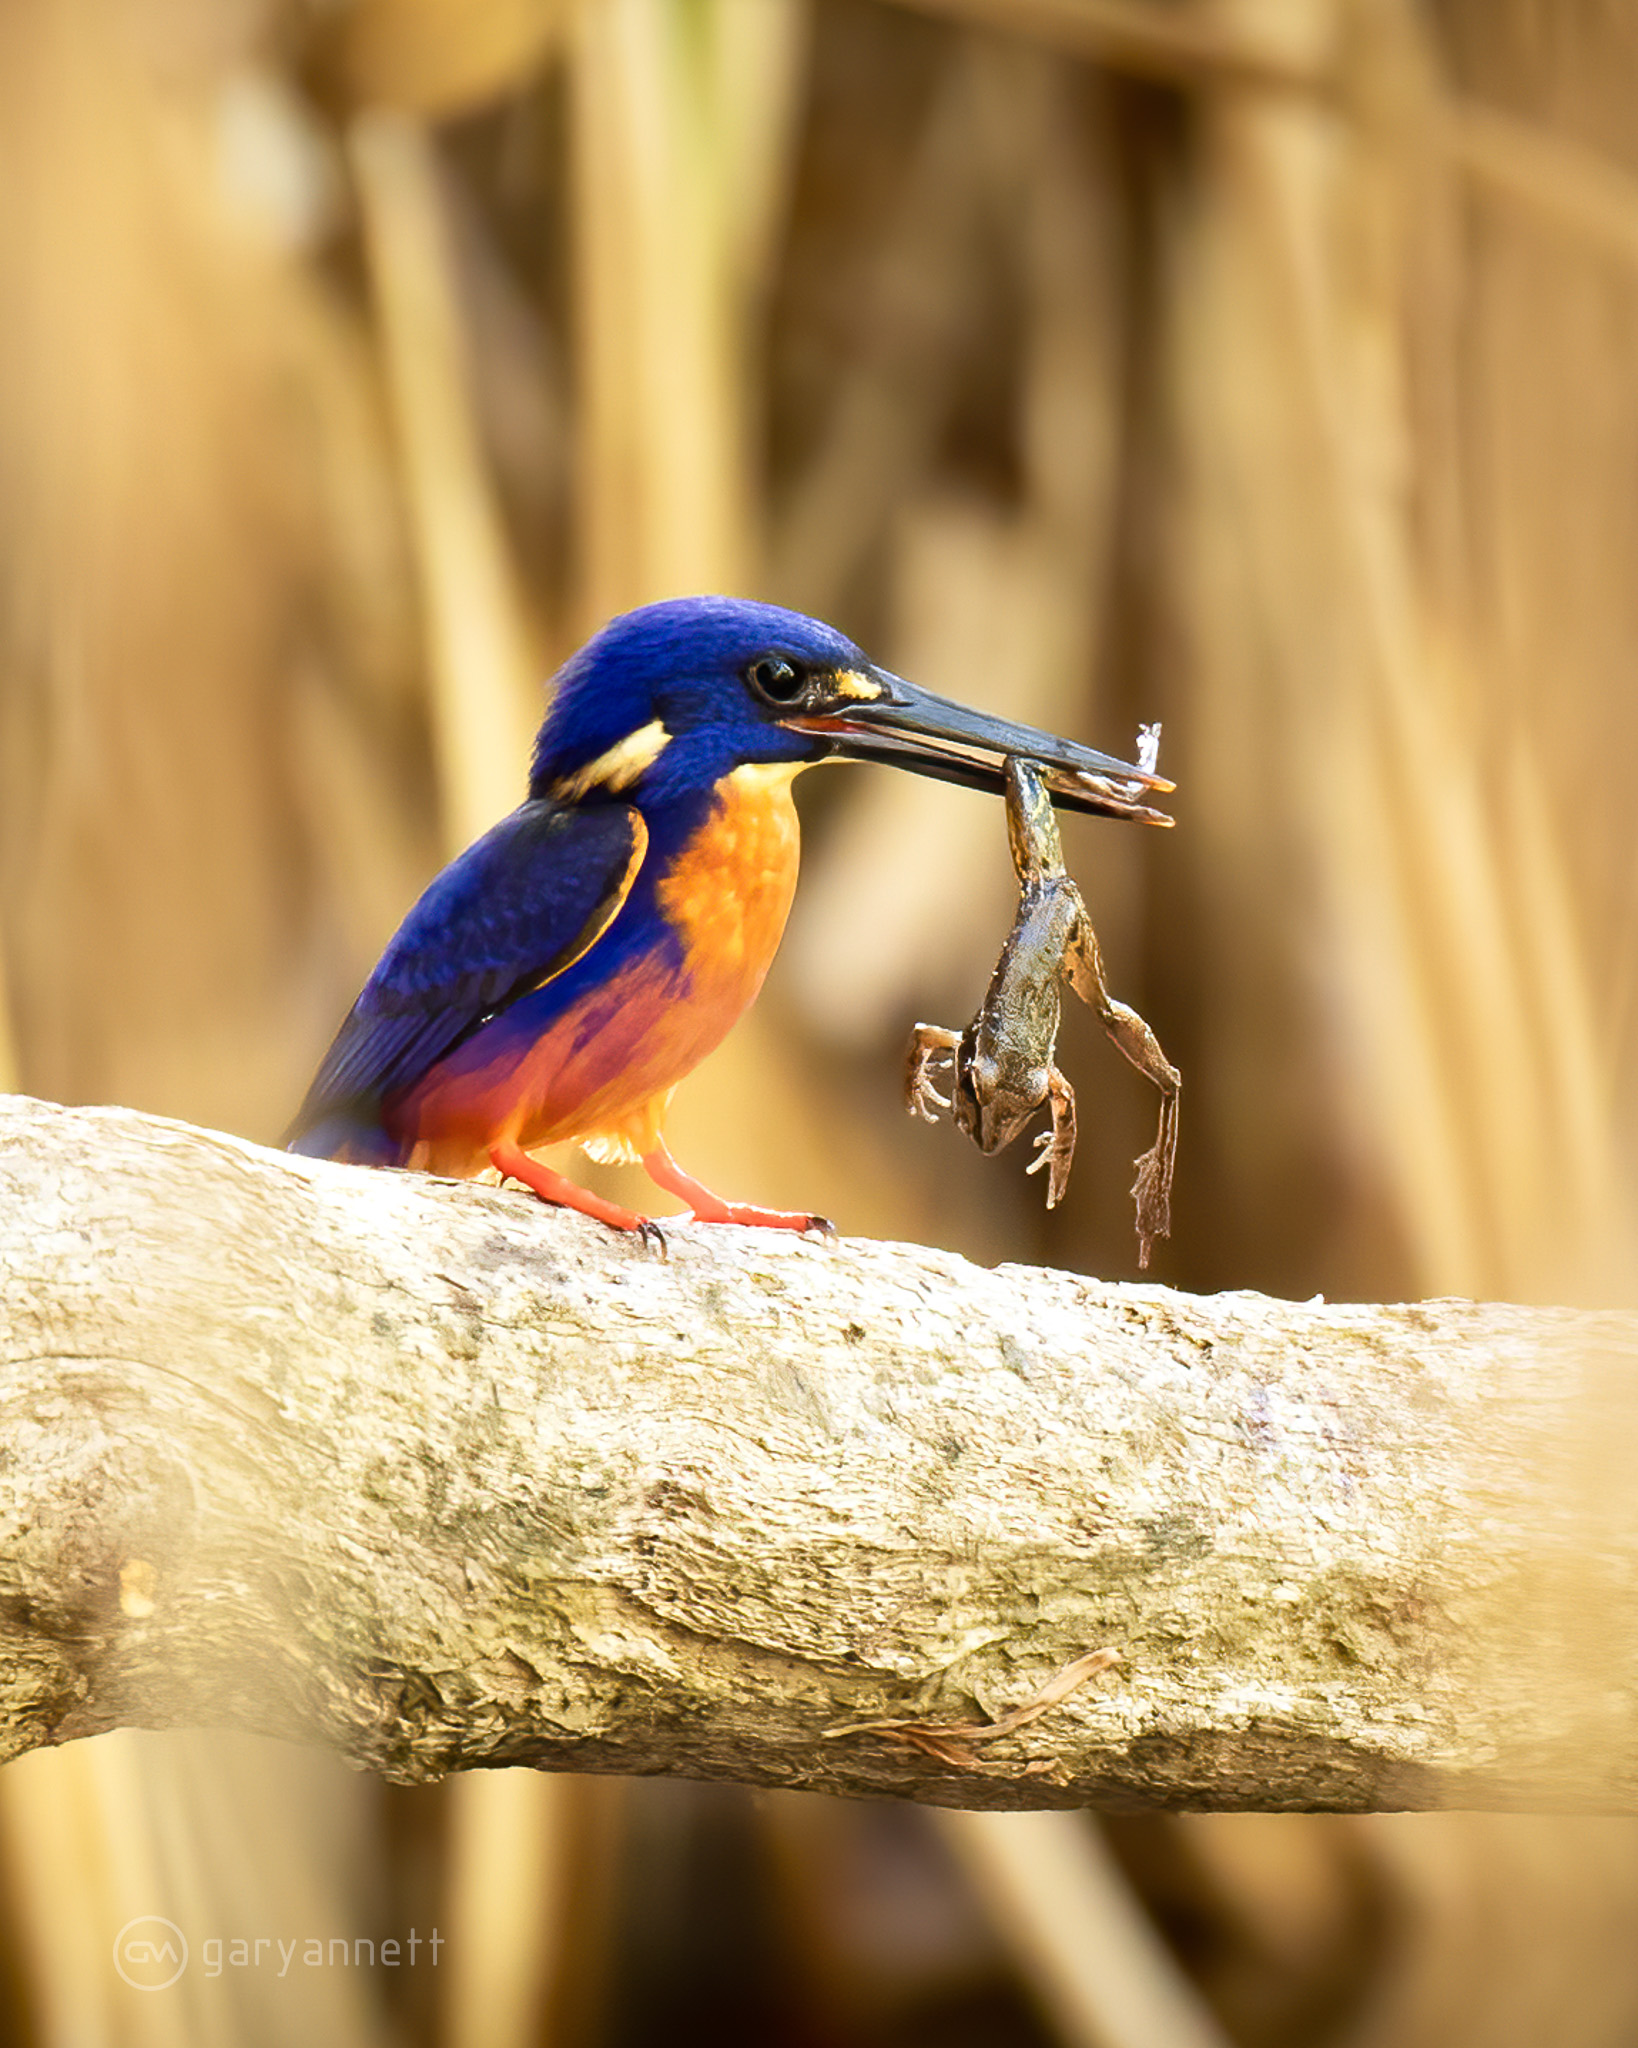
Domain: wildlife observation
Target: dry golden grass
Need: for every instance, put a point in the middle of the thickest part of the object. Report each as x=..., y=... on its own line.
x=1262, y=366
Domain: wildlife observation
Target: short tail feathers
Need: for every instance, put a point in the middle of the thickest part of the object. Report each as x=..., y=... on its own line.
x=350, y=1138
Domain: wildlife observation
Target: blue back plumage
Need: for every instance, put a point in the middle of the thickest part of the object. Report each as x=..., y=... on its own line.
x=516, y=907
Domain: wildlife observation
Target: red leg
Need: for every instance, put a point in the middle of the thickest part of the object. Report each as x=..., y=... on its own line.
x=665, y=1173
x=514, y=1162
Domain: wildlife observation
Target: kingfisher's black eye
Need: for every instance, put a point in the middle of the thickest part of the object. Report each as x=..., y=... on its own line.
x=775, y=680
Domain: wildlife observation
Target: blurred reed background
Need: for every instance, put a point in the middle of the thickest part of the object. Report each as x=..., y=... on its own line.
x=1267, y=367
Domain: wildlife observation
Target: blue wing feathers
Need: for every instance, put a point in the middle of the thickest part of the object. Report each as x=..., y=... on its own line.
x=520, y=905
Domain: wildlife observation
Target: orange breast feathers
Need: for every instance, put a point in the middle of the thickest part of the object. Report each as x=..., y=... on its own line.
x=727, y=897
x=729, y=891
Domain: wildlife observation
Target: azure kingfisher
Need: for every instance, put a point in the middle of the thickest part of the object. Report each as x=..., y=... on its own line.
x=559, y=978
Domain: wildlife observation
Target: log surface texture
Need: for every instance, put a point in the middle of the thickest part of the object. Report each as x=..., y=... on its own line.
x=437, y=1477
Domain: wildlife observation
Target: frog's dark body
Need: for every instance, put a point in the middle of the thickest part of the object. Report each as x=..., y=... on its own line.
x=1004, y=1065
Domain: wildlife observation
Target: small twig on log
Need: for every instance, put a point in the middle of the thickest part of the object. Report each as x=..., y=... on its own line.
x=439, y=1478
x=955, y=1742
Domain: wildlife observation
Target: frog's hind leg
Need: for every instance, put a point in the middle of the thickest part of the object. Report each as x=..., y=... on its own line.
x=931, y=1045
x=1055, y=1148
x=1152, y=1190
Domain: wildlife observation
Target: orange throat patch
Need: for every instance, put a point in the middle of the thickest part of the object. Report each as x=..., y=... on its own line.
x=729, y=892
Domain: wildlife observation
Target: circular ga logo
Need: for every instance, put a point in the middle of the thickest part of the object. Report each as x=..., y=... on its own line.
x=150, y=1953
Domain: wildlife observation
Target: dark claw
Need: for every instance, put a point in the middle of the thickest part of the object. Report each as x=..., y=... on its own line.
x=825, y=1228
x=654, y=1237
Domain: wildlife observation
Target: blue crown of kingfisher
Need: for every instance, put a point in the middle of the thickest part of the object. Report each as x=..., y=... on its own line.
x=559, y=978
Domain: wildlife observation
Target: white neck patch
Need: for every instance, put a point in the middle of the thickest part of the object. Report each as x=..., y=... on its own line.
x=619, y=767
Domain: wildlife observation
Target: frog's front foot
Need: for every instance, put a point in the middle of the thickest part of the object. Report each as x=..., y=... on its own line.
x=1055, y=1148
x=931, y=1045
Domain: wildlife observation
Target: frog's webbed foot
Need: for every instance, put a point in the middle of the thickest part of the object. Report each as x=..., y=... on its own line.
x=1055, y=1147
x=1152, y=1190
x=931, y=1046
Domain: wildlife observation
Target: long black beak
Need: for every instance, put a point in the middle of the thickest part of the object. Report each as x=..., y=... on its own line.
x=881, y=717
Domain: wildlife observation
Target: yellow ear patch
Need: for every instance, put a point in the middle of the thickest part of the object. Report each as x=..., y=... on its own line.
x=849, y=683
x=619, y=767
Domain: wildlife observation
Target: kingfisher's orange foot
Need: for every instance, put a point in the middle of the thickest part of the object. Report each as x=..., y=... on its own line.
x=513, y=1163
x=765, y=1219
x=665, y=1173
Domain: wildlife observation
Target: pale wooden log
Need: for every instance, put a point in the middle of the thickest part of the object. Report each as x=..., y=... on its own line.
x=437, y=1477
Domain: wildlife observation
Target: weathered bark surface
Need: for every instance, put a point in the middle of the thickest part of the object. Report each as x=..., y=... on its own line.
x=438, y=1477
